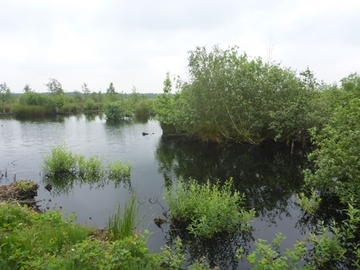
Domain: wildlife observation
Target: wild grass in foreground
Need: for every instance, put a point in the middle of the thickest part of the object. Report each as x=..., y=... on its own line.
x=39, y=241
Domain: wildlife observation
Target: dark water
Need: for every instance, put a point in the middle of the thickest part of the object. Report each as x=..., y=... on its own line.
x=267, y=174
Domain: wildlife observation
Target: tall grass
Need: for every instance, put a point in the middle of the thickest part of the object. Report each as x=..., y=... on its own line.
x=122, y=224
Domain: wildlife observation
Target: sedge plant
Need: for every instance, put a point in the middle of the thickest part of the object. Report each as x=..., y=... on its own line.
x=123, y=223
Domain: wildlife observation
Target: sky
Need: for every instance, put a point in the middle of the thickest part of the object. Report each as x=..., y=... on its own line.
x=134, y=43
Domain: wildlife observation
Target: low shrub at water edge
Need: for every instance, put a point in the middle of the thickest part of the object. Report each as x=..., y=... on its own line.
x=71, y=108
x=32, y=110
x=209, y=208
x=31, y=240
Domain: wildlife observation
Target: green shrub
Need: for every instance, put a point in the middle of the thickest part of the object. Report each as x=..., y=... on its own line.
x=208, y=209
x=116, y=111
x=337, y=169
x=143, y=108
x=89, y=105
x=61, y=161
x=27, y=236
x=88, y=254
x=11, y=215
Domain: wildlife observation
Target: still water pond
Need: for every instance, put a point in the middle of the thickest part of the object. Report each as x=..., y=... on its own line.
x=267, y=174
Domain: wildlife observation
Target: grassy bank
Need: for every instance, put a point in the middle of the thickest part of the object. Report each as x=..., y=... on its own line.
x=51, y=240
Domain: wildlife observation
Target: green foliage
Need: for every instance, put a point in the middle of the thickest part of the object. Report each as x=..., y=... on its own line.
x=85, y=89
x=63, y=167
x=5, y=94
x=27, y=236
x=111, y=89
x=351, y=83
x=143, y=108
x=267, y=256
x=71, y=108
x=337, y=159
x=31, y=110
x=164, y=107
x=54, y=87
x=24, y=185
x=116, y=111
x=90, y=105
x=208, y=209
x=173, y=258
x=61, y=161
x=119, y=171
x=231, y=96
x=332, y=247
x=27, y=89
x=91, y=169
x=42, y=241
x=5, y=108
x=122, y=224
x=32, y=98
x=309, y=205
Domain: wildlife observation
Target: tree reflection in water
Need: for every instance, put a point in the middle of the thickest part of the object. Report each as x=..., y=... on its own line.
x=220, y=250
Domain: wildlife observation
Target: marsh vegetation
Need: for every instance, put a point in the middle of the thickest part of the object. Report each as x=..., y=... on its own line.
x=228, y=99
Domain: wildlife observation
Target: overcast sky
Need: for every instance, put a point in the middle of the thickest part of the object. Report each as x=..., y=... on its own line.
x=134, y=43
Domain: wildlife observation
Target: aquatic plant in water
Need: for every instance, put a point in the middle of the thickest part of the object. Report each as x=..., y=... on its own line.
x=61, y=161
x=209, y=208
x=63, y=168
x=119, y=171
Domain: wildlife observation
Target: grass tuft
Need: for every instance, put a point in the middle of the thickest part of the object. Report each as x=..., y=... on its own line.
x=122, y=224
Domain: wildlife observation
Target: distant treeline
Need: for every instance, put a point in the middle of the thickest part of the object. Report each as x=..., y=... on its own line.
x=56, y=101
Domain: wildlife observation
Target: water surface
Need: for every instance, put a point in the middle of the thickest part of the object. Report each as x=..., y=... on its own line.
x=268, y=175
